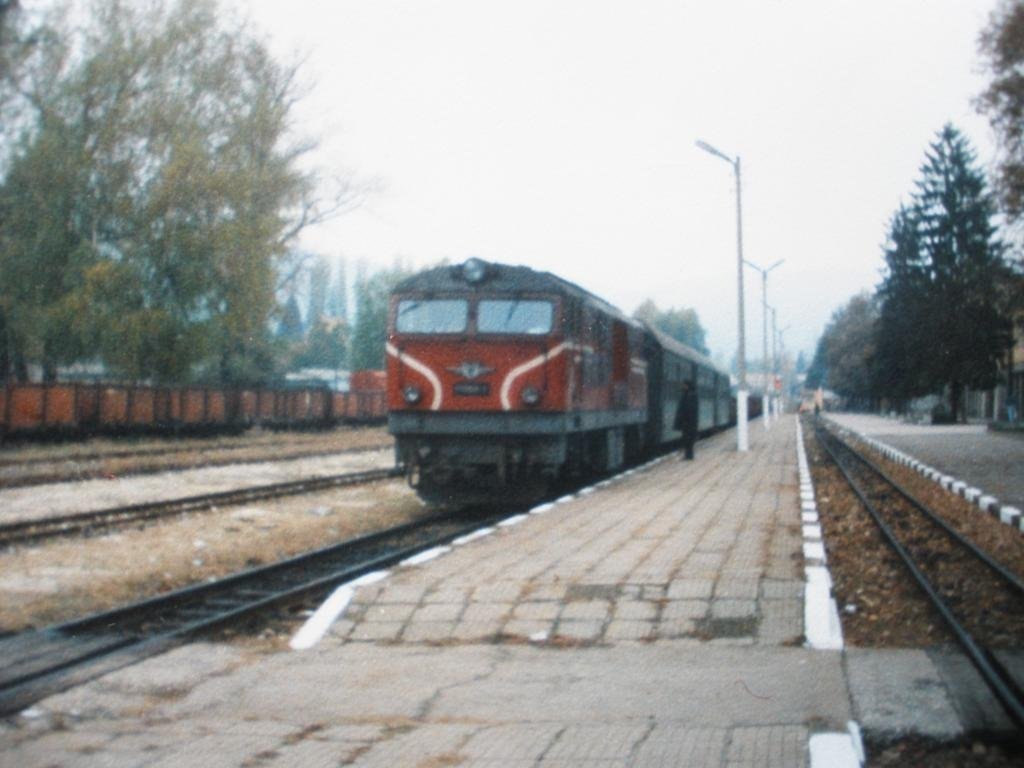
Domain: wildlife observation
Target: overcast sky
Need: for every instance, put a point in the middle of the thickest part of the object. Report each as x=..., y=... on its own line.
x=560, y=135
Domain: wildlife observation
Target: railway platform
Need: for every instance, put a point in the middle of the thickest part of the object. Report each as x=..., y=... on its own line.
x=990, y=461
x=654, y=620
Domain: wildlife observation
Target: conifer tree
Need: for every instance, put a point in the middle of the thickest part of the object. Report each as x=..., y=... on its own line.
x=962, y=326
x=903, y=348
x=370, y=331
x=290, y=328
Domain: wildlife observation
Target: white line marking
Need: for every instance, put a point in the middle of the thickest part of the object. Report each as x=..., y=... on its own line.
x=479, y=533
x=317, y=625
x=370, y=578
x=425, y=556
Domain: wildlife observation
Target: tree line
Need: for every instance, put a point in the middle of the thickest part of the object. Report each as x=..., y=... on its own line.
x=942, y=317
x=337, y=333
x=151, y=191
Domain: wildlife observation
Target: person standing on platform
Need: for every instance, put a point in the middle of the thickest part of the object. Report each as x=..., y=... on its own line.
x=686, y=418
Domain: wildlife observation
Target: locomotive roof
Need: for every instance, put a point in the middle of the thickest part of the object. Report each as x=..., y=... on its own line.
x=683, y=350
x=505, y=278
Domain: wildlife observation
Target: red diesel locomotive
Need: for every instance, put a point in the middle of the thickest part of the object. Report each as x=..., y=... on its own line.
x=502, y=378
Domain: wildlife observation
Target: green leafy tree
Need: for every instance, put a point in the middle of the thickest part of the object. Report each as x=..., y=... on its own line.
x=817, y=373
x=180, y=183
x=326, y=345
x=370, y=331
x=681, y=324
x=1002, y=47
x=848, y=350
x=291, y=329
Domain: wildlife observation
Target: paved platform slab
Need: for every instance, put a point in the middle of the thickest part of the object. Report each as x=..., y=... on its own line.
x=991, y=461
x=654, y=621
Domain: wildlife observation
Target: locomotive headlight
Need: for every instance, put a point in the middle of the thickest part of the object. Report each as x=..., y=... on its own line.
x=474, y=270
x=412, y=394
x=530, y=396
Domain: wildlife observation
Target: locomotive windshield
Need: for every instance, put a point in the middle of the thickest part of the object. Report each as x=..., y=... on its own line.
x=504, y=316
x=432, y=316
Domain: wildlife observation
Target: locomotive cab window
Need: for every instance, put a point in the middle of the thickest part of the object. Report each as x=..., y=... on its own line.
x=530, y=317
x=432, y=316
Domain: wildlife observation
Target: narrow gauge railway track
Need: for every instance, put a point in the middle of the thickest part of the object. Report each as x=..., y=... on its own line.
x=951, y=571
x=216, y=461
x=38, y=663
x=28, y=531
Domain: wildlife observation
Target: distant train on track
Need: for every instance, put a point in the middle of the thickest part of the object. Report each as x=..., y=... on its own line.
x=79, y=409
x=501, y=379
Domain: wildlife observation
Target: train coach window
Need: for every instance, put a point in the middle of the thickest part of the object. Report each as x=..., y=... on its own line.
x=503, y=316
x=432, y=316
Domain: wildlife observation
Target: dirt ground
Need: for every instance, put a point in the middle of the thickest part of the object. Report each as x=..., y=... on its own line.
x=28, y=463
x=920, y=753
x=879, y=604
x=67, y=578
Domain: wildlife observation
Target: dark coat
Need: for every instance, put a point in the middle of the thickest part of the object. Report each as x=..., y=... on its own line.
x=686, y=413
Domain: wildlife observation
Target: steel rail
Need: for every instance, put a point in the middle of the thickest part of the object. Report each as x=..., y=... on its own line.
x=1009, y=576
x=196, y=446
x=25, y=531
x=996, y=676
x=216, y=461
x=71, y=653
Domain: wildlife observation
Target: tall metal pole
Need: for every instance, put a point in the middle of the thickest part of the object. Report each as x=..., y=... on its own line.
x=766, y=394
x=775, y=354
x=742, y=438
x=766, y=397
x=782, y=366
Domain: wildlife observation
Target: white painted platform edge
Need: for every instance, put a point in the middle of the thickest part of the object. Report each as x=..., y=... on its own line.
x=833, y=750
x=973, y=495
x=425, y=556
x=479, y=533
x=316, y=626
x=508, y=522
x=812, y=531
x=822, y=629
x=814, y=550
x=821, y=615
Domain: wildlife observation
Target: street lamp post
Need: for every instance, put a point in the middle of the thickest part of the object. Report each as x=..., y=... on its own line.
x=780, y=361
x=775, y=356
x=742, y=438
x=764, y=318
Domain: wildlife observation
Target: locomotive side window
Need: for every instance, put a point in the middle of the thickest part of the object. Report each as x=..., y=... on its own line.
x=503, y=316
x=432, y=316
